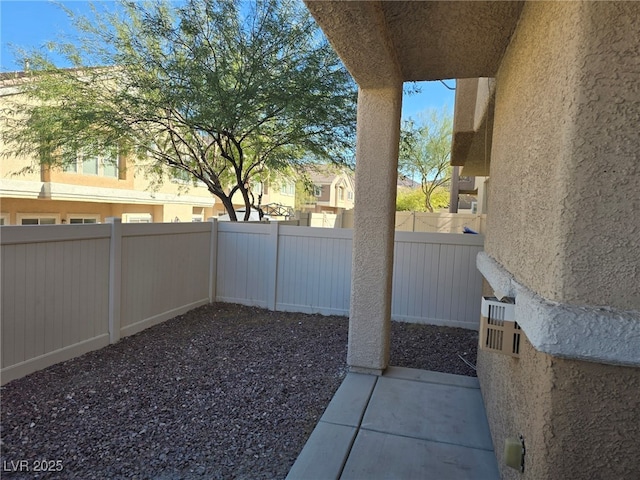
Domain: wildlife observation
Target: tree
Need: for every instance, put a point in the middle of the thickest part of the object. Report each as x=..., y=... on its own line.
x=226, y=91
x=425, y=152
x=414, y=199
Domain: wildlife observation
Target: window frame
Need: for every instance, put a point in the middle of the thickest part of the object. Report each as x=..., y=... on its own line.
x=83, y=216
x=288, y=189
x=77, y=167
x=137, y=217
x=39, y=216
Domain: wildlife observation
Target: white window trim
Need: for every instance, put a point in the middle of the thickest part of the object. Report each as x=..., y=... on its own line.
x=93, y=216
x=23, y=216
x=137, y=218
x=288, y=189
x=79, y=166
x=5, y=218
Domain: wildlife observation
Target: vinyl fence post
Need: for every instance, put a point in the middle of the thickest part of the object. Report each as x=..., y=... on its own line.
x=273, y=270
x=115, y=278
x=213, y=259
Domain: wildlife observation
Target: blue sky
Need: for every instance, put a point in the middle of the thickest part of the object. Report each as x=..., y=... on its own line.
x=32, y=23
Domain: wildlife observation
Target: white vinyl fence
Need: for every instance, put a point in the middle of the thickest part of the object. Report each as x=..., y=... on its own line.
x=70, y=289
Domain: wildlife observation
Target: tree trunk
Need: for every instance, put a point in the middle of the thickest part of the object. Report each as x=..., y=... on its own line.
x=428, y=205
x=228, y=206
x=247, y=202
x=427, y=197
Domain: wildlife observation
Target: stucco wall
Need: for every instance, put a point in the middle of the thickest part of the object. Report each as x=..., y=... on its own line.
x=565, y=176
x=565, y=195
x=579, y=419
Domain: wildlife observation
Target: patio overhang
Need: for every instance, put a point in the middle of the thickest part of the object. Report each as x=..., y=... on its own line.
x=383, y=41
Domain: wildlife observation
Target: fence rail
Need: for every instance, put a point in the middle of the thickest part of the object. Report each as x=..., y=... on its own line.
x=70, y=289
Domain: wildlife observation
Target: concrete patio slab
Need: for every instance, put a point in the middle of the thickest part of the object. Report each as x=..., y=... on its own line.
x=429, y=411
x=350, y=400
x=325, y=453
x=405, y=424
x=384, y=456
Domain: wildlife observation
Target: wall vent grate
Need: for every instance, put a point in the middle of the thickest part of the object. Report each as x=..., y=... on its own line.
x=499, y=332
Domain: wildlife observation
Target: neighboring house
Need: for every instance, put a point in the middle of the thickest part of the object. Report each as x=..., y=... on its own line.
x=333, y=190
x=92, y=189
x=547, y=106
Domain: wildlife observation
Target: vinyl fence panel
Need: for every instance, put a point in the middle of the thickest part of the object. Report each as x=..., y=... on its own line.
x=314, y=270
x=245, y=273
x=69, y=289
x=435, y=279
x=165, y=272
x=54, y=294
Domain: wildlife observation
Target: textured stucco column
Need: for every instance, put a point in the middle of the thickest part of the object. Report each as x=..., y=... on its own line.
x=374, y=223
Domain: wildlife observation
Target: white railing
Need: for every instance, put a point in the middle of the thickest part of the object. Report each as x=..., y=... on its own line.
x=69, y=289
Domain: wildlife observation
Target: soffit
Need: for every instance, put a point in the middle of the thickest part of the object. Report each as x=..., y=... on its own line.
x=385, y=42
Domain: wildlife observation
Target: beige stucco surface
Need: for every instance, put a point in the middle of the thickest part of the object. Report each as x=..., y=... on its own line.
x=565, y=174
x=579, y=419
x=378, y=134
x=564, y=222
x=473, y=125
x=382, y=42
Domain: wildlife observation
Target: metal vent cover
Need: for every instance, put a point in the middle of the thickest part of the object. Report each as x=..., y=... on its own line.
x=499, y=332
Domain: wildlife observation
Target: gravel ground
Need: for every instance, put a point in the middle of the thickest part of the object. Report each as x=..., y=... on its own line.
x=222, y=392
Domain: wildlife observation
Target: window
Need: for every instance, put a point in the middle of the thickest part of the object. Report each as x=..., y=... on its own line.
x=317, y=190
x=90, y=166
x=37, y=219
x=350, y=195
x=104, y=164
x=181, y=176
x=4, y=219
x=71, y=166
x=257, y=188
x=110, y=167
x=288, y=188
x=83, y=218
x=340, y=193
x=137, y=218
x=197, y=214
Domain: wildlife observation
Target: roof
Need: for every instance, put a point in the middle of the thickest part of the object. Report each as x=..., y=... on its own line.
x=326, y=174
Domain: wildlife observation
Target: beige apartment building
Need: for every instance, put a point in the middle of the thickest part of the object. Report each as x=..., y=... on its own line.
x=92, y=189
x=95, y=191
x=548, y=107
